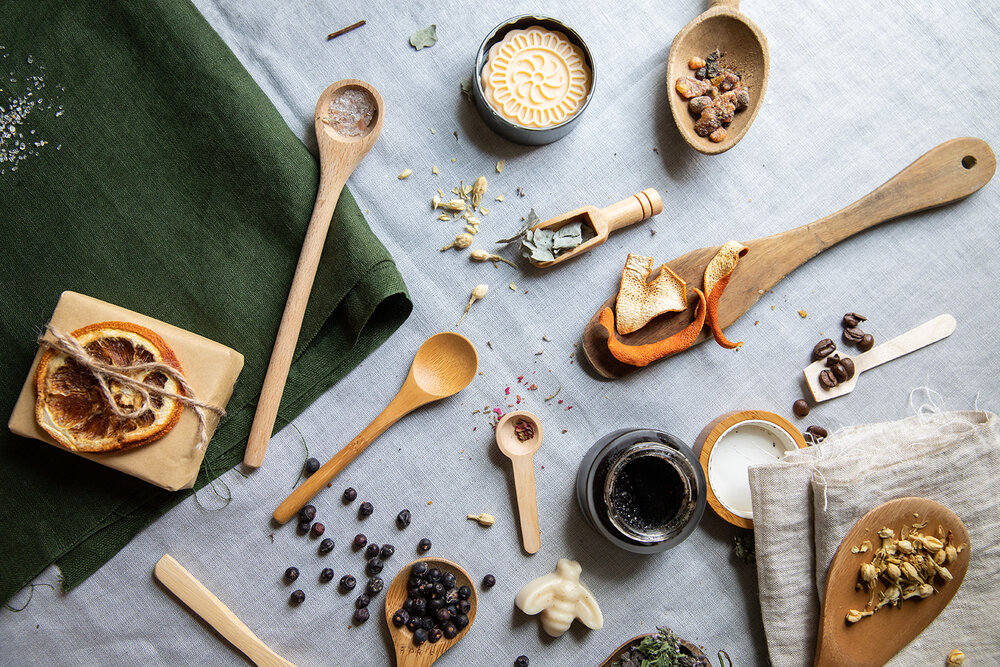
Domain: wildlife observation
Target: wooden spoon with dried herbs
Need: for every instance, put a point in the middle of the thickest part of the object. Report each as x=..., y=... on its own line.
x=658, y=649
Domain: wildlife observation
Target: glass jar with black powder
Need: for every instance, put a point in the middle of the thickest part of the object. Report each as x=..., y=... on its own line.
x=642, y=489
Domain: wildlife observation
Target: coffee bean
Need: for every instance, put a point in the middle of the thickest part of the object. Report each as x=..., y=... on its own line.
x=827, y=379
x=853, y=335
x=800, y=408
x=823, y=348
x=867, y=342
x=839, y=371
x=853, y=319
x=848, y=365
x=832, y=360
x=818, y=433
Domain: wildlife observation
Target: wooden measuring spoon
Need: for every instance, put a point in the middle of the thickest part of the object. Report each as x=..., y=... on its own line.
x=872, y=641
x=444, y=365
x=202, y=602
x=947, y=173
x=408, y=655
x=929, y=332
x=521, y=454
x=339, y=154
x=603, y=221
x=744, y=50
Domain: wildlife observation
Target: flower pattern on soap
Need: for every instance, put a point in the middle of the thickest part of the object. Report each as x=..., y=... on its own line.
x=536, y=77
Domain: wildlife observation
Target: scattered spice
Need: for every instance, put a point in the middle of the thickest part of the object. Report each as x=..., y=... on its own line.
x=478, y=292
x=512, y=286
x=403, y=175
x=483, y=519
x=343, y=31
x=549, y=398
x=500, y=165
x=434, y=169
x=803, y=314
x=424, y=38
x=524, y=430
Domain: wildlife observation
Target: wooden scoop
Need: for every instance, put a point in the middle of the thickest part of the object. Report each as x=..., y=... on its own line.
x=408, y=655
x=444, y=365
x=338, y=156
x=872, y=641
x=191, y=592
x=929, y=332
x=603, y=221
x=521, y=455
x=744, y=50
x=944, y=174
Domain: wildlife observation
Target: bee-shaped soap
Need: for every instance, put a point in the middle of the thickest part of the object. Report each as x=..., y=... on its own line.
x=560, y=597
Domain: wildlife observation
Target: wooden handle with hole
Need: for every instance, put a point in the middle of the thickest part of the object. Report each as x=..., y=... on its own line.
x=638, y=207
x=202, y=602
x=527, y=502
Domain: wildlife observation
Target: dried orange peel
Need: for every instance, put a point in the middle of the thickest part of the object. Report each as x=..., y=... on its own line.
x=643, y=355
x=717, y=275
x=640, y=301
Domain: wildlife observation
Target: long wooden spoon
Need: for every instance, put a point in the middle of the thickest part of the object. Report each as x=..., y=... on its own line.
x=944, y=174
x=408, y=655
x=521, y=454
x=339, y=154
x=744, y=49
x=193, y=593
x=444, y=365
x=872, y=641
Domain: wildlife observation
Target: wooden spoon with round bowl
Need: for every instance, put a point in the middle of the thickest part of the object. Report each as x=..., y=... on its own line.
x=407, y=654
x=521, y=454
x=744, y=50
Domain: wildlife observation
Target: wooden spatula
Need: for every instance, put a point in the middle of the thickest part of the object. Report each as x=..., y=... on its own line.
x=947, y=173
x=872, y=641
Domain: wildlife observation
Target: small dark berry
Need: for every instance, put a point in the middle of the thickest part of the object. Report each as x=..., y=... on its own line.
x=439, y=590
x=434, y=635
x=443, y=615
x=365, y=509
x=435, y=604
x=413, y=592
x=326, y=546
x=307, y=513
x=464, y=592
x=362, y=601
x=419, y=607
x=360, y=541
x=413, y=623
x=375, y=586
x=297, y=597
x=361, y=615
x=326, y=574
x=489, y=581
x=419, y=568
x=400, y=618
x=427, y=622
x=312, y=465
x=374, y=566
x=419, y=636
x=453, y=610
x=448, y=579
x=408, y=605
x=464, y=606
x=350, y=494
x=450, y=631
x=424, y=545
x=522, y=661
x=386, y=551
x=317, y=529
x=303, y=527
x=348, y=582
x=414, y=581
x=292, y=573
x=434, y=574
x=372, y=550
x=451, y=596
x=403, y=518
x=800, y=408
x=461, y=621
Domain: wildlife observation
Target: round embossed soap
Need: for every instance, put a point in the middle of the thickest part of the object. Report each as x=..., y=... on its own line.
x=536, y=78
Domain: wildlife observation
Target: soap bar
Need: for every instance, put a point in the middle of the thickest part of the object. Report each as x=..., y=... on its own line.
x=536, y=77
x=210, y=368
x=560, y=597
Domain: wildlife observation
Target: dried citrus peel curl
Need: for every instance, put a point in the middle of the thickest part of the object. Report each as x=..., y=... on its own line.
x=717, y=275
x=640, y=301
x=643, y=355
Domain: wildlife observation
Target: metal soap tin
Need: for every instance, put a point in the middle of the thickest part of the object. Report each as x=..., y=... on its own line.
x=531, y=136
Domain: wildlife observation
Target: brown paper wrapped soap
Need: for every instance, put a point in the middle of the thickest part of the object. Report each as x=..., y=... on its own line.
x=163, y=439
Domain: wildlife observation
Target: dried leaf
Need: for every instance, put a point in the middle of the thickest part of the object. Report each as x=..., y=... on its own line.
x=424, y=38
x=467, y=88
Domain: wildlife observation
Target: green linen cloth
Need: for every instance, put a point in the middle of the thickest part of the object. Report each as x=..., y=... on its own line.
x=167, y=184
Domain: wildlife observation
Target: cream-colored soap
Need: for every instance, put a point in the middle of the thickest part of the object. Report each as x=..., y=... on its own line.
x=560, y=597
x=536, y=77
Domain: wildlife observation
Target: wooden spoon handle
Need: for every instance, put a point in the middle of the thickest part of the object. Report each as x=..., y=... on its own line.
x=929, y=332
x=331, y=185
x=527, y=502
x=638, y=207
x=193, y=593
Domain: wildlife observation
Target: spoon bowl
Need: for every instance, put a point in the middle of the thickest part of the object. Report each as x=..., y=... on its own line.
x=744, y=50
x=507, y=439
x=445, y=364
x=521, y=453
x=408, y=655
x=365, y=95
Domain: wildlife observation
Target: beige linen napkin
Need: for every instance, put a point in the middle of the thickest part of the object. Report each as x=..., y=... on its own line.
x=805, y=504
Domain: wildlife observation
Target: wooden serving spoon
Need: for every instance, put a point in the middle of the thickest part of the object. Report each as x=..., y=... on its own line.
x=202, y=602
x=872, y=641
x=521, y=454
x=408, y=655
x=944, y=174
x=744, y=50
x=444, y=365
x=339, y=154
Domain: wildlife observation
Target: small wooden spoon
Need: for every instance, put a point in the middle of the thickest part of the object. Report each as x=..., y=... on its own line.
x=929, y=332
x=872, y=641
x=338, y=156
x=603, y=221
x=744, y=49
x=408, y=655
x=444, y=365
x=946, y=173
x=521, y=455
x=201, y=601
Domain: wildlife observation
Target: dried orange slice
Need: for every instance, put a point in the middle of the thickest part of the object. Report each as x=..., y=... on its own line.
x=71, y=408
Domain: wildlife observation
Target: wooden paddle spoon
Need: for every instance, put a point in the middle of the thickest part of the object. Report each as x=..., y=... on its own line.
x=510, y=429
x=603, y=221
x=444, y=365
x=744, y=50
x=872, y=641
x=408, y=655
x=339, y=154
x=191, y=592
x=944, y=174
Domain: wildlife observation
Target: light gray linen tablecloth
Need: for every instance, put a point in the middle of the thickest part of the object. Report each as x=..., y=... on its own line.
x=858, y=90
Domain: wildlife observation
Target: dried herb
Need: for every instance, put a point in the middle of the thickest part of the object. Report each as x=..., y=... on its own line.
x=743, y=547
x=483, y=256
x=544, y=245
x=466, y=85
x=424, y=38
x=478, y=292
x=532, y=219
x=524, y=430
x=660, y=649
x=342, y=31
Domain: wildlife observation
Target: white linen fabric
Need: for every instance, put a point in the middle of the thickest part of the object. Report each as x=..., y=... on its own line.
x=858, y=90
